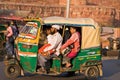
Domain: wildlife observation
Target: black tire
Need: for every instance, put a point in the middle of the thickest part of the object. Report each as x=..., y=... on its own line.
x=92, y=73
x=12, y=71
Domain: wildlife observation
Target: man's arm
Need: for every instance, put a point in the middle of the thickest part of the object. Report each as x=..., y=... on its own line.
x=72, y=39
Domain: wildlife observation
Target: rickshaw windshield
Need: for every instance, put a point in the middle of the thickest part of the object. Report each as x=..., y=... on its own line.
x=29, y=30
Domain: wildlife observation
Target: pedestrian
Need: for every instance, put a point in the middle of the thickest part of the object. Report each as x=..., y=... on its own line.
x=12, y=33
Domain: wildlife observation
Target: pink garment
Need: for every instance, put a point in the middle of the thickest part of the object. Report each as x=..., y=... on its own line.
x=72, y=54
x=9, y=31
x=75, y=40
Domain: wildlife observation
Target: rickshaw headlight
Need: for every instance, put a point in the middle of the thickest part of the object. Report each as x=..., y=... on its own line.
x=27, y=46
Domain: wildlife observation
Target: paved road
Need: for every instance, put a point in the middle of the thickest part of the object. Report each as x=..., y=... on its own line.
x=111, y=70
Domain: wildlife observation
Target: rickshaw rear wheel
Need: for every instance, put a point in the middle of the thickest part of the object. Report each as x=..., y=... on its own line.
x=92, y=72
x=12, y=71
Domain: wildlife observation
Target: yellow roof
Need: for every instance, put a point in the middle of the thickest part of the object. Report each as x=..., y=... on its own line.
x=68, y=21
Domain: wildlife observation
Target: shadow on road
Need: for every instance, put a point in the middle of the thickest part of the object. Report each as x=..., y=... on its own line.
x=49, y=77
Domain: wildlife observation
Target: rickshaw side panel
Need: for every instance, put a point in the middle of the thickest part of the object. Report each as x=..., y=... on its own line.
x=28, y=63
x=84, y=56
x=28, y=56
x=28, y=47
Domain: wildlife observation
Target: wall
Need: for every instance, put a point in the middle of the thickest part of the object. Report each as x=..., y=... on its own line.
x=105, y=12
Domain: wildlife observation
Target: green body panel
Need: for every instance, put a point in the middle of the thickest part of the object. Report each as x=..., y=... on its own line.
x=33, y=49
x=85, y=55
x=28, y=63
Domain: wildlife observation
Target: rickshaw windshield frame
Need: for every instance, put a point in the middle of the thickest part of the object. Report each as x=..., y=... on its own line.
x=29, y=30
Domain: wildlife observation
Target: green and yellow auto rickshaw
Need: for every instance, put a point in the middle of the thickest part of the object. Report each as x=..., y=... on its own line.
x=88, y=61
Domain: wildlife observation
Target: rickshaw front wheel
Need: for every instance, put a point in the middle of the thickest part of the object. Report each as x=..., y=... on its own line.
x=12, y=71
x=92, y=72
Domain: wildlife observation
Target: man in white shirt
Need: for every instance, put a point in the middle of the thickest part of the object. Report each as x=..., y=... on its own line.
x=56, y=43
x=56, y=40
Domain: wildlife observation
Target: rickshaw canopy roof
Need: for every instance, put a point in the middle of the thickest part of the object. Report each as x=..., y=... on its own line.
x=69, y=21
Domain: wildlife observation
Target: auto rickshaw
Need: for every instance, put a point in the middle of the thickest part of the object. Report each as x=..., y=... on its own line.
x=88, y=60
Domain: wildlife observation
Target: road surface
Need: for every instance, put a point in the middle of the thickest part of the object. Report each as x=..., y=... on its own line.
x=111, y=71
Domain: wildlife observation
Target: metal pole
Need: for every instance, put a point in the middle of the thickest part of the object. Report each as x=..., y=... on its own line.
x=67, y=8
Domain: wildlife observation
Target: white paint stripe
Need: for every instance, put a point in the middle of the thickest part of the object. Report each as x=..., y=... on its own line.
x=27, y=43
x=91, y=55
x=34, y=55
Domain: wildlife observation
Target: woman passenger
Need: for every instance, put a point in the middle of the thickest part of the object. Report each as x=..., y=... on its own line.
x=73, y=40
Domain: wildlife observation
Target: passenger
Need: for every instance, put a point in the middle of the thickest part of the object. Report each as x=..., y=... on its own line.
x=42, y=50
x=55, y=44
x=75, y=41
x=56, y=40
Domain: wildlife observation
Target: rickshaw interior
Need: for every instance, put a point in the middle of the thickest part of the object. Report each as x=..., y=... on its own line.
x=63, y=33
x=62, y=30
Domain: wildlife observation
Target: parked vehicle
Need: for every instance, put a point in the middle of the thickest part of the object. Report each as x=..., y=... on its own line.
x=2, y=37
x=110, y=40
x=88, y=60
